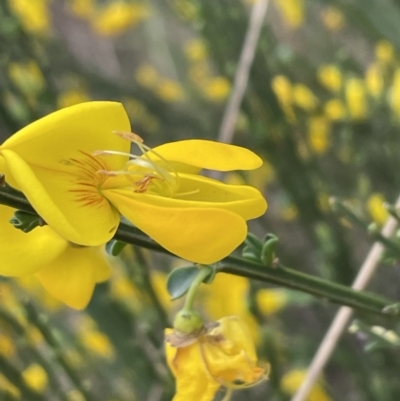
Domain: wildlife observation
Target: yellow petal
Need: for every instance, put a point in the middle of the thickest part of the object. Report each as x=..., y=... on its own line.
x=244, y=200
x=86, y=127
x=23, y=254
x=195, y=234
x=232, y=358
x=192, y=380
x=203, y=192
x=209, y=155
x=238, y=335
x=51, y=194
x=72, y=277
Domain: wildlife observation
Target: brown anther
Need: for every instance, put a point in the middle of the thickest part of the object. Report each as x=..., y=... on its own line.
x=141, y=186
x=130, y=136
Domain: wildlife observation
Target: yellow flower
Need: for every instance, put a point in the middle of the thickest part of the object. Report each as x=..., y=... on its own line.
x=283, y=90
x=304, y=98
x=319, y=134
x=292, y=380
x=118, y=16
x=82, y=8
x=384, y=51
x=27, y=76
x=394, y=95
x=356, y=98
x=223, y=356
x=332, y=18
x=33, y=14
x=292, y=11
x=79, y=177
x=195, y=50
x=376, y=209
x=35, y=377
x=217, y=88
x=330, y=77
x=334, y=110
x=68, y=272
x=236, y=289
x=374, y=80
x=271, y=300
x=170, y=90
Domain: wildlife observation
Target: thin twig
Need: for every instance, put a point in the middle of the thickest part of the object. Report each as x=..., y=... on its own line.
x=257, y=17
x=343, y=316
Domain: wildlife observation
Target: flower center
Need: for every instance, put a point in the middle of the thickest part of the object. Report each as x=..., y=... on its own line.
x=86, y=180
x=148, y=172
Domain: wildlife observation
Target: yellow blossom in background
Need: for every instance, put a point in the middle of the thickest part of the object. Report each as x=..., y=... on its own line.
x=185, y=9
x=7, y=347
x=289, y=212
x=271, y=300
x=283, y=90
x=330, y=77
x=170, y=90
x=147, y=76
x=332, y=18
x=82, y=8
x=117, y=17
x=161, y=193
x=304, y=98
x=27, y=76
x=225, y=355
x=376, y=209
x=384, y=52
x=216, y=89
x=96, y=342
x=75, y=395
x=8, y=387
x=33, y=14
x=195, y=50
x=72, y=97
x=292, y=11
x=356, y=99
x=35, y=377
x=394, y=94
x=319, y=130
x=334, y=110
x=291, y=381
x=261, y=177
x=374, y=80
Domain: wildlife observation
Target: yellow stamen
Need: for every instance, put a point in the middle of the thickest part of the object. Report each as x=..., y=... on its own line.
x=143, y=171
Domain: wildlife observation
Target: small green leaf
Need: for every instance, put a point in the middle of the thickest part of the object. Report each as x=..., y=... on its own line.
x=115, y=247
x=26, y=221
x=268, y=250
x=253, y=242
x=180, y=279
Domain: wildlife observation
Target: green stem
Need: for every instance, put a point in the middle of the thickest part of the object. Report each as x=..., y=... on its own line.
x=201, y=275
x=280, y=275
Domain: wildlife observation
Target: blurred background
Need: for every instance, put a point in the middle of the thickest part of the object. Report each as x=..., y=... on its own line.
x=322, y=108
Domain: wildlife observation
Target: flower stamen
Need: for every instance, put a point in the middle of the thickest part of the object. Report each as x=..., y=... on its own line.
x=144, y=171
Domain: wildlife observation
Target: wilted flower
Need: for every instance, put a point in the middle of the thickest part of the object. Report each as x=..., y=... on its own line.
x=222, y=355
